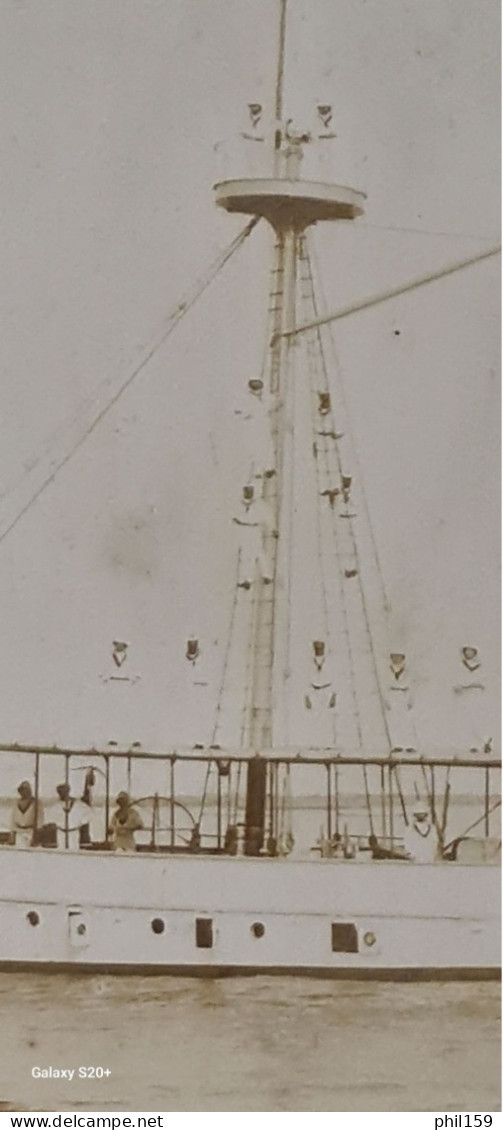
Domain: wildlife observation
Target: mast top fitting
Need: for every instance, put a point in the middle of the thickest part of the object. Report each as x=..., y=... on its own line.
x=283, y=199
x=289, y=203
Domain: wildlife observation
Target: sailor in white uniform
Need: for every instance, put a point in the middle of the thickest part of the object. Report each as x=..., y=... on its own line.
x=69, y=816
x=26, y=816
x=258, y=546
x=420, y=837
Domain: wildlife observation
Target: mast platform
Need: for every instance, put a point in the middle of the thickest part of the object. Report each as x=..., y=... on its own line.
x=289, y=204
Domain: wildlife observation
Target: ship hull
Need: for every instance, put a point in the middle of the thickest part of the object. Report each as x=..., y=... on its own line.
x=203, y=916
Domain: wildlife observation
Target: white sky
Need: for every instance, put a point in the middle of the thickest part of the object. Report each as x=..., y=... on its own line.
x=110, y=112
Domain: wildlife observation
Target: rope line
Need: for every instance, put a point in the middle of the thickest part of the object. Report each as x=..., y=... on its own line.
x=289, y=500
x=180, y=312
x=318, y=484
x=395, y=292
x=425, y=231
x=386, y=603
x=227, y=653
x=352, y=534
x=272, y=493
x=313, y=371
x=244, y=739
x=348, y=423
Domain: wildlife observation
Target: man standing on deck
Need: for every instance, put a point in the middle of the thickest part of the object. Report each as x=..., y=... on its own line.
x=70, y=817
x=420, y=837
x=125, y=821
x=26, y=816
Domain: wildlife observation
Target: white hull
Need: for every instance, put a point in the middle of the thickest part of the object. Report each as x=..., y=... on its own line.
x=94, y=911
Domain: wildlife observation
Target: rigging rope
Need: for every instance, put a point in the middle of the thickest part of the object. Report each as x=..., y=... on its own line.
x=319, y=532
x=264, y=619
x=312, y=370
x=275, y=487
x=225, y=667
x=205, y=789
x=494, y=807
x=289, y=504
x=375, y=300
x=385, y=598
x=347, y=420
x=222, y=689
x=177, y=315
x=244, y=739
x=352, y=531
x=424, y=231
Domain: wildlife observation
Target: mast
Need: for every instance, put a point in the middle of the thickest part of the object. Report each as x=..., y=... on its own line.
x=282, y=302
x=290, y=205
x=280, y=82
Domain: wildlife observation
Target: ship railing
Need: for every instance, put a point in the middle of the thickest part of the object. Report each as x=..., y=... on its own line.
x=195, y=800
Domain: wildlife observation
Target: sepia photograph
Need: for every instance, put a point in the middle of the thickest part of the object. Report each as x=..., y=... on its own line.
x=250, y=569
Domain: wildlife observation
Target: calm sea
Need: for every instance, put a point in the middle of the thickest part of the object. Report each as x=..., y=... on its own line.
x=258, y=1044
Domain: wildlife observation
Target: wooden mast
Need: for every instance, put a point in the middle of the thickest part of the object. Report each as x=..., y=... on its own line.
x=282, y=303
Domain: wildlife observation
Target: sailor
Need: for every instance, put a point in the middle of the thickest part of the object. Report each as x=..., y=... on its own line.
x=125, y=821
x=420, y=838
x=337, y=846
x=70, y=817
x=258, y=548
x=26, y=816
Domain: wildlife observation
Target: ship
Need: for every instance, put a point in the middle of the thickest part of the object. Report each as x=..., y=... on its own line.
x=188, y=860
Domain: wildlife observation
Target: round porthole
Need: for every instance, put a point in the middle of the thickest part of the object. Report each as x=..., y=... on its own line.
x=258, y=929
x=158, y=925
x=33, y=917
x=369, y=938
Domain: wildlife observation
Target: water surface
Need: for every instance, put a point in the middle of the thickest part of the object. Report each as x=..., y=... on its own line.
x=250, y=1044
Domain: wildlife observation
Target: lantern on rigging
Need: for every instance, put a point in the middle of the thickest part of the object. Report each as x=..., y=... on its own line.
x=319, y=653
x=397, y=663
x=192, y=651
x=248, y=494
x=324, y=403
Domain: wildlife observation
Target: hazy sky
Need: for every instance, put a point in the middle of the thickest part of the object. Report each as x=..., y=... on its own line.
x=111, y=111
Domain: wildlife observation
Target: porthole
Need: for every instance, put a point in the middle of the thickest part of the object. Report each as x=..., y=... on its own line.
x=33, y=918
x=158, y=925
x=258, y=929
x=81, y=929
x=369, y=938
